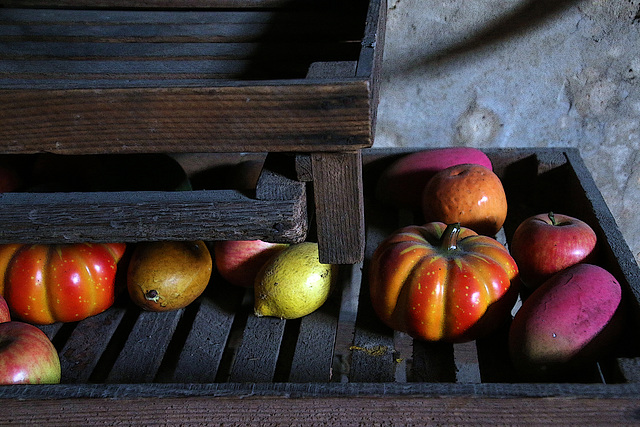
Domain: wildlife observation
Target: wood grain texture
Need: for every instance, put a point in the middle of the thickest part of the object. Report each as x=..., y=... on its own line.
x=388, y=410
x=86, y=344
x=293, y=117
x=144, y=350
x=257, y=355
x=204, y=345
x=338, y=194
x=144, y=216
x=152, y=4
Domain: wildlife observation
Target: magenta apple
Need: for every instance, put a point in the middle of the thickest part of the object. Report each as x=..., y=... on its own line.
x=239, y=261
x=27, y=356
x=569, y=321
x=403, y=181
x=5, y=315
x=545, y=244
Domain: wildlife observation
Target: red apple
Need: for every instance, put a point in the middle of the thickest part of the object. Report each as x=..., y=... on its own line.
x=545, y=244
x=5, y=316
x=403, y=181
x=27, y=356
x=238, y=261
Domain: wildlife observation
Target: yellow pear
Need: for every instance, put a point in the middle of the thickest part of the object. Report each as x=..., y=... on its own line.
x=293, y=283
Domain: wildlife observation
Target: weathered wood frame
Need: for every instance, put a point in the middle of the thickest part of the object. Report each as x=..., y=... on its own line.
x=449, y=389
x=330, y=114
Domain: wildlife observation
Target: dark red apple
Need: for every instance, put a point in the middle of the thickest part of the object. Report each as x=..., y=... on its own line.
x=5, y=316
x=238, y=261
x=545, y=244
x=9, y=178
x=27, y=356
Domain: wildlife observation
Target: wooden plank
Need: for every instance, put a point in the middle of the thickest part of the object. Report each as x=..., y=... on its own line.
x=338, y=195
x=370, y=60
x=152, y=4
x=433, y=362
x=372, y=352
x=465, y=356
x=359, y=410
x=328, y=25
x=144, y=349
x=203, y=348
x=303, y=117
x=313, y=356
x=257, y=355
x=143, y=216
x=295, y=51
x=87, y=342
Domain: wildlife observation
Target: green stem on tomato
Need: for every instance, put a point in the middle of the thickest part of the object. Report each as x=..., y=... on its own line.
x=449, y=239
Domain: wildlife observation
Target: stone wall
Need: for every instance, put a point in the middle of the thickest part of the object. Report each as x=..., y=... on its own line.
x=517, y=73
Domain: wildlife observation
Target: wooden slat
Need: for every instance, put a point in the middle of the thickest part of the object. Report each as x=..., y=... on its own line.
x=203, y=348
x=166, y=26
x=313, y=356
x=143, y=216
x=372, y=352
x=151, y=4
x=433, y=362
x=338, y=195
x=144, y=349
x=87, y=342
x=257, y=355
x=359, y=410
x=295, y=51
x=271, y=117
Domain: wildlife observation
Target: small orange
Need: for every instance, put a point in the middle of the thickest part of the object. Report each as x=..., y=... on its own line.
x=470, y=194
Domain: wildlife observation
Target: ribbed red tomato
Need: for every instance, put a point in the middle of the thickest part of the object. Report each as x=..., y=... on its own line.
x=44, y=284
x=442, y=283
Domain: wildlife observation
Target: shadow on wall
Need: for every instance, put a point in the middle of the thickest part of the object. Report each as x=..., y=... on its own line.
x=530, y=14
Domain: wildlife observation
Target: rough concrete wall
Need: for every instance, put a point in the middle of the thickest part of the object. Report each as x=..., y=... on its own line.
x=514, y=73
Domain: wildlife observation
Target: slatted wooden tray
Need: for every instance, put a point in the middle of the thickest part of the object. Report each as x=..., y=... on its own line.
x=188, y=76
x=120, y=77
x=216, y=362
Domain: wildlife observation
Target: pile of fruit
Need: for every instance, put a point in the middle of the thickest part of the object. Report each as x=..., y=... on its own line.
x=450, y=280
x=445, y=279
x=45, y=284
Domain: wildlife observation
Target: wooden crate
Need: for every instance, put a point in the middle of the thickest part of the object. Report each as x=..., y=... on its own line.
x=119, y=77
x=215, y=362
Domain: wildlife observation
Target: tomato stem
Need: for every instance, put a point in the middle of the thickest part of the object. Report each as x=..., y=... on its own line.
x=449, y=240
x=552, y=218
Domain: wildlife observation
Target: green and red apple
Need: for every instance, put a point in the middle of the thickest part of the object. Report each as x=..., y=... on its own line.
x=27, y=356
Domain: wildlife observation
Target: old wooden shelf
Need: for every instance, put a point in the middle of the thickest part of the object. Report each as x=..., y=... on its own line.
x=215, y=362
x=119, y=77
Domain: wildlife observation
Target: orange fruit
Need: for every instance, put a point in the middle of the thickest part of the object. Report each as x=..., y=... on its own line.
x=470, y=194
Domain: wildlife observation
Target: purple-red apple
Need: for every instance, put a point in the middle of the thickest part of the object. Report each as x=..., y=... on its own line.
x=569, y=321
x=27, y=356
x=403, y=181
x=5, y=315
x=545, y=244
x=239, y=261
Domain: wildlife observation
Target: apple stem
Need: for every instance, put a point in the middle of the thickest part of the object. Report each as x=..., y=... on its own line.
x=552, y=218
x=449, y=240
